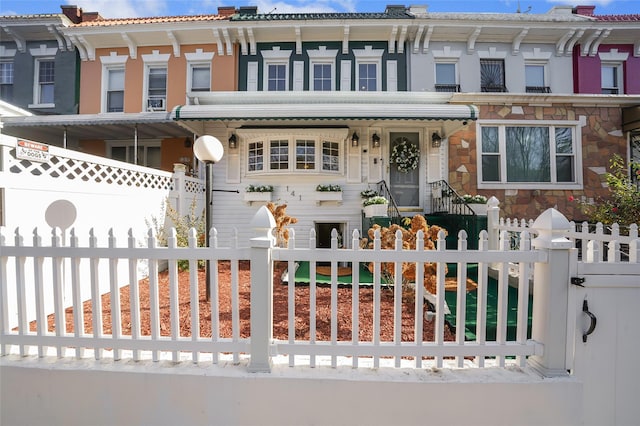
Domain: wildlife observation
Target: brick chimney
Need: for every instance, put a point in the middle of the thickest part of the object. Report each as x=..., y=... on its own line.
x=226, y=10
x=584, y=10
x=76, y=15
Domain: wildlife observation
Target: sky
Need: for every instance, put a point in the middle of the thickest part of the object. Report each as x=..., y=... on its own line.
x=144, y=8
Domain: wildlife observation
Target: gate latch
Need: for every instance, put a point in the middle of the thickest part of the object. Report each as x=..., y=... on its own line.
x=579, y=281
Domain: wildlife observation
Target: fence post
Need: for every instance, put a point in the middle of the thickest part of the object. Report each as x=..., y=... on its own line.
x=261, y=291
x=550, y=293
x=493, y=219
x=179, y=170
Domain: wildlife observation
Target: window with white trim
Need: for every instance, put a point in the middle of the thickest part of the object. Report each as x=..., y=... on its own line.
x=611, y=78
x=611, y=71
x=44, y=76
x=447, y=77
x=147, y=154
x=199, y=71
x=275, y=69
x=115, y=89
x=155, y=81
x=113, y=77
x=294, y=154
x=535, y=75
x=156, y=88
x=368, y=69
x=529, y=155
x=6, y=80
x=200, y=77
x=45, y=80
x=322, y=64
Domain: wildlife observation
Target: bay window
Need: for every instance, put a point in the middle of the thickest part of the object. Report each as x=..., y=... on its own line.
x=529, y=155
x=293, y=154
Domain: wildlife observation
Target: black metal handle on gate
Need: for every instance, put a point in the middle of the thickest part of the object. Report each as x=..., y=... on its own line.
x=592, y=318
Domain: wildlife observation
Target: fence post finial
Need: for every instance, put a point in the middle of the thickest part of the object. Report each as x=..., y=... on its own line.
x=493, y=219
x=263, y=224
x=551, y=294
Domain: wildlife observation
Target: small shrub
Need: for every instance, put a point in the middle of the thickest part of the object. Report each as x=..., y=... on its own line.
x=623, y=207
x=328, y=188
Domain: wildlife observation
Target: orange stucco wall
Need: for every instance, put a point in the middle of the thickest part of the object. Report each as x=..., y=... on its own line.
x=172, y=150
x=224, y=76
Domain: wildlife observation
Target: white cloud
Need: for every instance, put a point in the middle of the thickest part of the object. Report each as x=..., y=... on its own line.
x=123, y=8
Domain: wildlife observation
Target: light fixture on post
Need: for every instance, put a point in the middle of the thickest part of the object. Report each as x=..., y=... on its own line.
x=209, y=150
x=233, y=140
x=436, y=140
x=376, y=140
x=355, y=139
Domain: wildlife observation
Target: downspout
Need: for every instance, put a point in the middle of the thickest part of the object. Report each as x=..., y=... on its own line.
x=135, y=144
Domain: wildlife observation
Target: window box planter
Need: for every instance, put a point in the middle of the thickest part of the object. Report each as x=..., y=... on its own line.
x=262, y=197
x=375, y=210
x=326, y=196
x=479, y=209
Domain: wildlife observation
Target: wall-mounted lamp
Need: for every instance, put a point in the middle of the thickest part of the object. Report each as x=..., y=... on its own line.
x=436, y=140
x=355, y=139
x=376, y=140
x=233, y=140
x=188, y=143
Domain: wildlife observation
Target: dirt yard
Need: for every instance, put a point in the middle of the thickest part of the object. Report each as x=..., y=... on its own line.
x=280, y=301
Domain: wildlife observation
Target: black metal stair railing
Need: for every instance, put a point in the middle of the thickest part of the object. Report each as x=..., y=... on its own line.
x=392, y=207
x=445, y=199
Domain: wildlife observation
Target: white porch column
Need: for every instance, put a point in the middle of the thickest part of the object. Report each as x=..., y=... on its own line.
x=261, y=291
x=550, y=294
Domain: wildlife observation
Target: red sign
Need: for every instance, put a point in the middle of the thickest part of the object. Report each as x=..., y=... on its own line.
x=33, y=151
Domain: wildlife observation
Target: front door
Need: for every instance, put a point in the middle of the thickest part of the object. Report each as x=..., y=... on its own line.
x=404, y=168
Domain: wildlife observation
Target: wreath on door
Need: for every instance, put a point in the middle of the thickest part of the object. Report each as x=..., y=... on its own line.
x=405, y=155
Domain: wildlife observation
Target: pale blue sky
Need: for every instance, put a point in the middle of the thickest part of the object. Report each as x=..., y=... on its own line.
x=140, y=8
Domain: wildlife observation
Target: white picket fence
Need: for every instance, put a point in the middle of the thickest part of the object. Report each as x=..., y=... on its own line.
x=549, y=256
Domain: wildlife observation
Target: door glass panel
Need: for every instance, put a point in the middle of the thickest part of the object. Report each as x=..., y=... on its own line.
x=405, y=185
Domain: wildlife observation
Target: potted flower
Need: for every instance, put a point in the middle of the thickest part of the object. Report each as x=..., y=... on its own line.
x=375, y=206
x=328, y=193
x=261, y=193
x=368, y=193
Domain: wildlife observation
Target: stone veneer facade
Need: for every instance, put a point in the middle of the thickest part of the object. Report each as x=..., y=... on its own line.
x=601, y=139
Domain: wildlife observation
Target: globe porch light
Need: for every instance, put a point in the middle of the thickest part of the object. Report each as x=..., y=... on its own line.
x=208, y=149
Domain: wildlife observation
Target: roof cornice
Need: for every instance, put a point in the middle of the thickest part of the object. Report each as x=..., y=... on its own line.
x=545, y=99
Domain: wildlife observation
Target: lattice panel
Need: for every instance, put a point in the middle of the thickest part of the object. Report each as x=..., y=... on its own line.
x=193, y=186
x=69, y=168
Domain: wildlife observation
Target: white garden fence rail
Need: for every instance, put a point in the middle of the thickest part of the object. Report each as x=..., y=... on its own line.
x=549, y=255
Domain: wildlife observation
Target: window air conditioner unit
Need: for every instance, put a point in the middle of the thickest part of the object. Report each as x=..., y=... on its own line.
x=155, y=104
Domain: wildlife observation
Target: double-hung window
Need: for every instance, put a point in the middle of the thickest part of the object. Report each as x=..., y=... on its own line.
x=44, y=76
x=368, y=69
x=113, y=78
x=6, y=80
x=199, y=71
x=529, y=155
x=492, y=75
x=322, y=63
x=155, y=81
x=115, y=90
x=157, y=88
x=275, y=69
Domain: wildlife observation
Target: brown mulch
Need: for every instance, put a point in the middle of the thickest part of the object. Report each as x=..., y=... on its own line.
x=280, y=303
